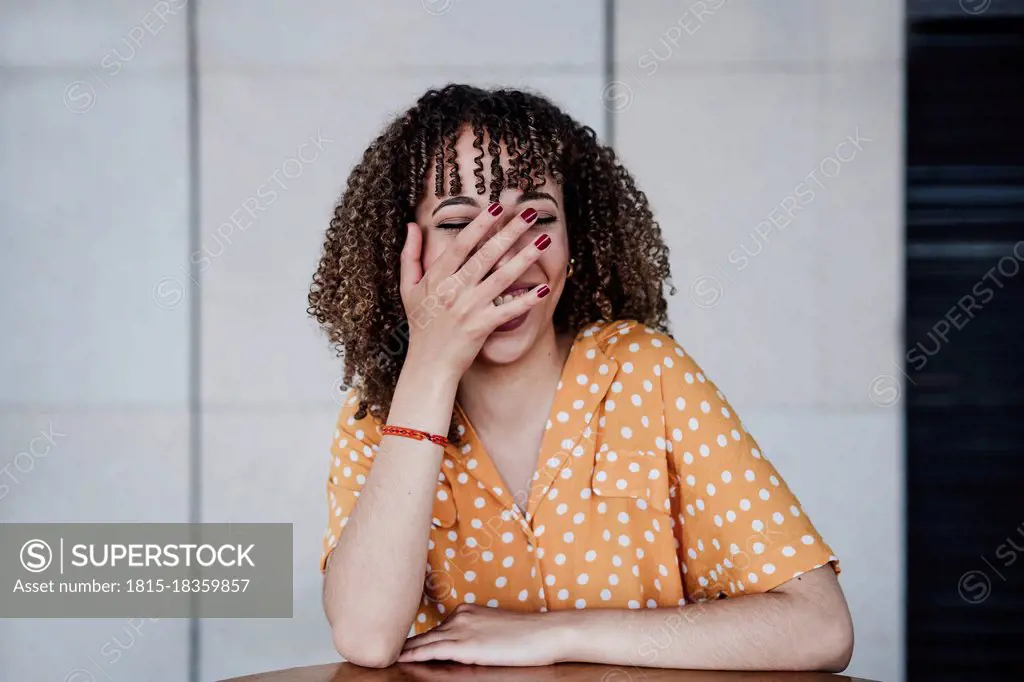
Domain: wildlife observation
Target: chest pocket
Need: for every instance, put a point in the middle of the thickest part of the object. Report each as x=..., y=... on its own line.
x=444, y=513
x=633, y=474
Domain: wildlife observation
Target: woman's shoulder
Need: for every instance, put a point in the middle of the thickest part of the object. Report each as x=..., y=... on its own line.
x=633, y=341
x=645, y=353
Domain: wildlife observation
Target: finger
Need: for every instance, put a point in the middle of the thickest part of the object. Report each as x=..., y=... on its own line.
x=505, y=276
x=510, y=311
x=412, y=268
x=445, y=650
x=480, y=263
x=464, y=243
x=427, y=637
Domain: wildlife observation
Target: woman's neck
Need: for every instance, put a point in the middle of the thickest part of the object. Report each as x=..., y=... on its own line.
x=513, y=395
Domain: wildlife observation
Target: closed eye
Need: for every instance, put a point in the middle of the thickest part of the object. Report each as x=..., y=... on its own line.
x=453, y=225
x=459, y=224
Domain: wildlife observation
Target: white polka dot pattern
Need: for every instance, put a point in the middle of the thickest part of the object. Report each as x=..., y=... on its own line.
x=649, y=493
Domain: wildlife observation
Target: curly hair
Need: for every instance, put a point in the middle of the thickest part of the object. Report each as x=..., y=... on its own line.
x=621, y=261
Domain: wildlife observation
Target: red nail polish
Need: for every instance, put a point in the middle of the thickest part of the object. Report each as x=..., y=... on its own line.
x=542, y=242
x=495, y=209
x=543, y=291
x=529, y=215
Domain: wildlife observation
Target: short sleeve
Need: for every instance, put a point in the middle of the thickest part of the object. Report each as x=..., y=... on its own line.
x=352, y=450
x=738, y=526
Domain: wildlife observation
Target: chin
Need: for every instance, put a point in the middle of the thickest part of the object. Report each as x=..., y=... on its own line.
x=504, y=348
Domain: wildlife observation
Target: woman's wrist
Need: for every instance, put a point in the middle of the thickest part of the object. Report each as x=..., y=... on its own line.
x=424, y=370
x=424, y=397
x=563, y=632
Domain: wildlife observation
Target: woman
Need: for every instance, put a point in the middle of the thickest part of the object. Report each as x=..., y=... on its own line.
x=528, y=468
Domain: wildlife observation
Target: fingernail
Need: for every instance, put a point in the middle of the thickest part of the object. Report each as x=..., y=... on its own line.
x=542, y=242
x=495, y=209
x=543, y=291
x=529, y=215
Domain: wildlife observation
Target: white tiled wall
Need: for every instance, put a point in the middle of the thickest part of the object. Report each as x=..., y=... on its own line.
x=720, y=116
x=723, y=109
x=264, y=465
x=94, y=464
x=93, y=213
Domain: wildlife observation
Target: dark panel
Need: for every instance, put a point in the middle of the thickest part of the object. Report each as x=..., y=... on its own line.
x=965, y=337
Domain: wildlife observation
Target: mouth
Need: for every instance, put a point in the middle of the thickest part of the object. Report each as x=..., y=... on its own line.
x=512, y=293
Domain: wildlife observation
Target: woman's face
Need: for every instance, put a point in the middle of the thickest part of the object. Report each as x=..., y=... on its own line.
x=441, y=218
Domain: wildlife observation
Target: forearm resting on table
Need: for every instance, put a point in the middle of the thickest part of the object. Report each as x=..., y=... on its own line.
x=374, y=581
x=803, y=625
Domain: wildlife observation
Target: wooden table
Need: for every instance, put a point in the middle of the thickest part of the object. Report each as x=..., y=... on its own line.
x=563, y=672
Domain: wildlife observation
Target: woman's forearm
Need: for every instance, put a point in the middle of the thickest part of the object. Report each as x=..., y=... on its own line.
x=804, y=628
x=374, y=581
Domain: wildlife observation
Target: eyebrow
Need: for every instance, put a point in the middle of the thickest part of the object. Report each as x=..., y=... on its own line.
x=463, y=200
x=455, y=201
x=534, y=195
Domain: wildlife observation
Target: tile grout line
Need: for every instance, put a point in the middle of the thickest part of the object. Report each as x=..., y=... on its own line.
x=195, y=453
x=608, y=46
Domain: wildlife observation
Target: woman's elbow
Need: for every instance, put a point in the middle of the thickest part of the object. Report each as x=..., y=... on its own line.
x=837, y=645
x=365, y=648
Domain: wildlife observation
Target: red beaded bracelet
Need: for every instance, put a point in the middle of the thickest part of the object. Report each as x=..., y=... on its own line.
x=415, y=434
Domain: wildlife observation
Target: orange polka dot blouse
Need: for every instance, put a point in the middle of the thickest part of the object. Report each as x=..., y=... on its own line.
x=648, y=493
